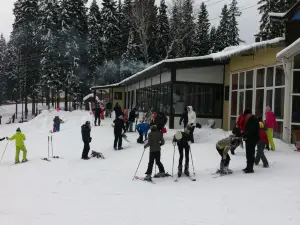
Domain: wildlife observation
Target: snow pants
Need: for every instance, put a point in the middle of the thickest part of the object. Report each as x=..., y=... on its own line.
x=155, y=156
x=260, y=154
x=250, y=154
x=86, y=150
x=130, y=124
x=224, y=162
x=57, y=127
x=192, y=134
x=187, y=156
x=18, y=149
x=99, y=120
x=270, y=138
x=118, y=140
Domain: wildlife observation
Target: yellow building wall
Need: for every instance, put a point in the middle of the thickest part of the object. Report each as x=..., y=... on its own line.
x=118, y=96
x=261, y=58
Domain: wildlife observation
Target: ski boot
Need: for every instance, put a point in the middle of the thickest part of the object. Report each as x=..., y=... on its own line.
x=160, y=174
x=179, y=173
x=186, y=170
x=86, y=158
x=115, y=148
x=17, y=162
x=24, y=160
x=226, y=170
x=266, y=166
x=120, y=148
x=148, y=178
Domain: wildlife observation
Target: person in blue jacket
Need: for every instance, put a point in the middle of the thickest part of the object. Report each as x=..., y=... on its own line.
x=143, y=129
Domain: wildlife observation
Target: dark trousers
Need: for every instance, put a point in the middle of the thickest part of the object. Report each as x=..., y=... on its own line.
x=154, y=156
x=260, y=154
x=118, y=140
x=192, y=134
x=140, y=139
x=227, y=160
x=185, y=124
x=250, y=154
x=186, y=152
x=86, y=150
x=99, y=120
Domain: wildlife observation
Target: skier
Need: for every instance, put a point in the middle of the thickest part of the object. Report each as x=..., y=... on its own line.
x=56, y=124
x=270, y=125
x=143, y=129
x=160, y=121
x=97, y=114
x=148, y=117
x=108, y=109
x=182, y=139
x=117, y=110
x=86, y=138
x=251, y=135
x=184, y=118
x=132, y=116
x=118, y=127
x=223, y=146
x=20, y=138
x=102, y=111
x=155, y=141
x=191, y=121
x=263, y=141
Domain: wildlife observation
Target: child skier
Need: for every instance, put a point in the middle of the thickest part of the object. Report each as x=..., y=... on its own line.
x=261, y=146
x=182, y=139
x=223, y=146
x=155, y=141
x=20, y=138
x=118, y=127
x=56, y=124
x=143, y=129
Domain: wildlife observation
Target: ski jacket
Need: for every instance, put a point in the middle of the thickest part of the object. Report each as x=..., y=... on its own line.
x=57, y=120
x=251, y=130
x=108, y=106
x=118, y=111
x=143, y=128
x=125, y=115
x=19, y=137
x=270, y=120
x=184, y=117
x=155, y=140
x=262, y=134
x=160, y=121
x=86, y=134
x=184, y=141
x=132, y=115
x=241, y=122
x=119, y=125
x=97, y=111
x=191, y=117
x=225, y=145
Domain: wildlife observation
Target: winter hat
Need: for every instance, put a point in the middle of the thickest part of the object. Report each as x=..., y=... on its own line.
x=153, y=128
x=247, y=111
x=268, y=109
x=18, y=129
x=178, y=135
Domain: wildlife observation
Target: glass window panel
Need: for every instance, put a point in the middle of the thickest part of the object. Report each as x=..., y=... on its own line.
x=296, y=109
x=270, y=76
x=218, y=102
x=297, y=62
x=234, y=103
x=280, y=77
x=296, y=82
x=241, y=102
x=279, y=103
x=234, y=81
x=296, y=133
x=259, y=103
x=232, y=122
x=248, y=100
x=277, y=133
x=249, y=79
x=242, y=80
x=260, y=78
x=269, y=99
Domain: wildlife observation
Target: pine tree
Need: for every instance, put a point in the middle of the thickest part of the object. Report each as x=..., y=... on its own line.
x=163, y=41
x=152, y=32
x=234, y=12
x=213, y=38
x=95, y=50
x=125, y=24
x=3, y=77
x=189, y=28
x=223, y=32
x=202, y=39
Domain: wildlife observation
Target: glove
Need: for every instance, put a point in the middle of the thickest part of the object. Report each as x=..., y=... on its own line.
x=174, y=143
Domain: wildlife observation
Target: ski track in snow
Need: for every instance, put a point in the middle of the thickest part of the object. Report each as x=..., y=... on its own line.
x=101, y=191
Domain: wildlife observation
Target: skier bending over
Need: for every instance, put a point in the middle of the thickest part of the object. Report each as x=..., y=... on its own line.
x=118, y=127
x=182, y=139
x=20, y=138
x=143, y=129
x=86, y=138
x=223, y=146
x=155, y=141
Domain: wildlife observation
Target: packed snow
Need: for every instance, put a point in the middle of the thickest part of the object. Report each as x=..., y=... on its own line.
x=101, y=191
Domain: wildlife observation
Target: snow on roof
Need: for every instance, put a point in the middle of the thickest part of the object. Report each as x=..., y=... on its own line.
x=280, y=15
x=225, y=54
x=290, y=50
x=91, y=96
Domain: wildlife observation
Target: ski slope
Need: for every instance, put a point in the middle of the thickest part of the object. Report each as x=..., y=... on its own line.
x=71, y=191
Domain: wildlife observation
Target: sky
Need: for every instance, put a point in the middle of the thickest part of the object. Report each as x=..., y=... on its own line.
x=248, y=22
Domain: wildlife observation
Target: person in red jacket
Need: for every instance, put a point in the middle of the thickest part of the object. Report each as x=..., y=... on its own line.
x=241, y=122
x=263, y=141
x=270, y=125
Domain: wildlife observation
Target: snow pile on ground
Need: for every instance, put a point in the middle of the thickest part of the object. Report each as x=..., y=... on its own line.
x=73, y=191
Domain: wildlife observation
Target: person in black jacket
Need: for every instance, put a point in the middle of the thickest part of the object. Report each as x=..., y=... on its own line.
x=118, y=110
x=184, y=118
x=160, y=121
x=132, y=116
x=118, y=127
x=97, y=112
x=251, y=135
x=182, y=139
x=86, y=138
x=108, y=109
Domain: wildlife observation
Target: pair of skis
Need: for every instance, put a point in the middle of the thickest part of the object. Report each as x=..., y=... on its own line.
x=190, y=178
x=176, y=180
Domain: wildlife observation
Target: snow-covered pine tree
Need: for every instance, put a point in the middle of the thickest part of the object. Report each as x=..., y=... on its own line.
x=223, y=32
x=163, y=41
x=95, y=50
x=202, y=38
x=234, y=12
x=188, y=40
x=152, y=31
x=213, y=38
x=125, y=24
x=3, y=77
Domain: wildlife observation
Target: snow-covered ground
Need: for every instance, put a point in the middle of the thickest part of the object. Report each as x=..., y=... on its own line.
x=71, y=191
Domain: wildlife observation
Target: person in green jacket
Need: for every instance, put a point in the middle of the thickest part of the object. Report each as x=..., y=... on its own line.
x=20, y=138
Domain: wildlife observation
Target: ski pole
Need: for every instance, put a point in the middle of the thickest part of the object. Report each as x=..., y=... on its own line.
x=4, y=151
x=155, y=168
x=48, y=145
x=139, y=164
x=52, y=145
x=192, y=160
x=173, y=162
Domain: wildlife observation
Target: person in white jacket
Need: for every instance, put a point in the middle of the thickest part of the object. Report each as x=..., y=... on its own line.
x=191, y=121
